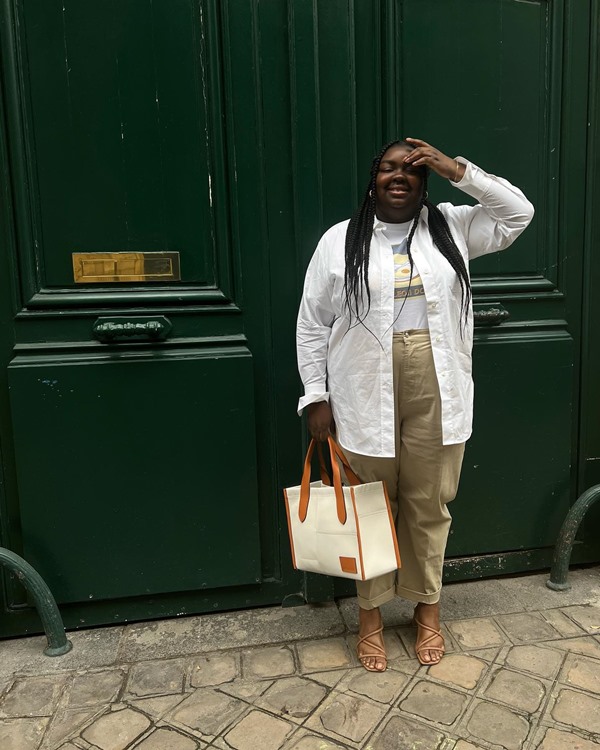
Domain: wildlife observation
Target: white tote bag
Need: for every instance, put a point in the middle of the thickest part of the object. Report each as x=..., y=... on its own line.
x=337, y=530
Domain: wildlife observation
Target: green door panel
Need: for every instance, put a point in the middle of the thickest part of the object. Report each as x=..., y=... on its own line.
x=135, y=477
x=120, y=127
x=515, y=484
x=491, y=101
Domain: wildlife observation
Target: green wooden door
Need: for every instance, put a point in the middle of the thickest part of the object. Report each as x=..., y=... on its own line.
x=143, y=476
x=134, y=482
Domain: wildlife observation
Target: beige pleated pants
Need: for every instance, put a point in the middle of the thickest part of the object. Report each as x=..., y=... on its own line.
x=421, y=479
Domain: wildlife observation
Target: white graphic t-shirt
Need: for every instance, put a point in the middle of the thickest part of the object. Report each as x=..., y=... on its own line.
x=410, y=305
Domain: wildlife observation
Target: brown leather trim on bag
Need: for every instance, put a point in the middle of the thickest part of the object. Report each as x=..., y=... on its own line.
x=348, y=564
x=289, y=522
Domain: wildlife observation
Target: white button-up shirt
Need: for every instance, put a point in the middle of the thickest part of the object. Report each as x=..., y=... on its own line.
x=352, y=367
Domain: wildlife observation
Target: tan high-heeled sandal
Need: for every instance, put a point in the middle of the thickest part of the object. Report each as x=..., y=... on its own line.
x=380, y=651
x=424, y=640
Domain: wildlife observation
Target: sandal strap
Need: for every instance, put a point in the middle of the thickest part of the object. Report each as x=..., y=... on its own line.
x=365, y=639
x=422, y=644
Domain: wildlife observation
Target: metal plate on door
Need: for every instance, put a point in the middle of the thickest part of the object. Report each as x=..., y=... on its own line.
x=120, y=268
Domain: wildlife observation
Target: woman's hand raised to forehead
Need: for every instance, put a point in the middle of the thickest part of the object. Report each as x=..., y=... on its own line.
x=425, y=155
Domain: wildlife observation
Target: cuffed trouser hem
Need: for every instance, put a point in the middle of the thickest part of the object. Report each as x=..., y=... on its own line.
x=380, y=599
x=417, y=596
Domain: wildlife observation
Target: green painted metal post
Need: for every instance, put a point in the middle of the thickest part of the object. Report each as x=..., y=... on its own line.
x=58, y=644
x=566, y=537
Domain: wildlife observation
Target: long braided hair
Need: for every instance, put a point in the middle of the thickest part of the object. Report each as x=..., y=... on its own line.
x=358, y=245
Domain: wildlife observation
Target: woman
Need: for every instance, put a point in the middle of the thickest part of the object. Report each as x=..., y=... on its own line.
x=384, y=339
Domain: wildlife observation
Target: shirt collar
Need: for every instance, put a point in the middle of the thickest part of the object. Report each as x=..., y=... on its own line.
x=378, y=224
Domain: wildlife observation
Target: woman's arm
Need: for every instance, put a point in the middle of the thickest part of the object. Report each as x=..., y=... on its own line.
x=503, y=211
x=313, y=330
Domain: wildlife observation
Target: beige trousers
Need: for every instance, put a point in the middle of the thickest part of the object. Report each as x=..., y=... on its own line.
x=421, y=479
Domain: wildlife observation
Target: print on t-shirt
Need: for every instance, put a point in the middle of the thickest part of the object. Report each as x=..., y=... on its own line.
x=402, y=274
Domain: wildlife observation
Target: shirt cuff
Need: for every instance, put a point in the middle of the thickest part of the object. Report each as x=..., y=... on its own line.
x=311, y=398
x=475, y=182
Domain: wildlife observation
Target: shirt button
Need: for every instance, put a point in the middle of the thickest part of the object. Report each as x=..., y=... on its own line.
x=438, y=338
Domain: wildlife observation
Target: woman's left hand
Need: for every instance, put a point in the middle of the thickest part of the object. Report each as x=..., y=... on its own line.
x=425, y=155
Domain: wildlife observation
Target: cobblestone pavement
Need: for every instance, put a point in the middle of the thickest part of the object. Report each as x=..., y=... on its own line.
x=522, y=672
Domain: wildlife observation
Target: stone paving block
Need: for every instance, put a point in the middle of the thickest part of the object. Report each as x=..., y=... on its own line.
x=316, y=656
x=527, y=627
x=330, y=678
x=459, y=669
x=383, y=687
x=167, y=739
x=582, y=672
x=277, y=661
x=586, y=617
x=538, y=660
x=556, y=739
x=207, y=711
x=348, y=717
x=156, y=707
x=116, y=729
x=400, y=734
x=22, y=734
x=214, y=669
x=478, y=633
x=313, y=742
x=434, y=702
x=66, y=723
x=247, y=690
x=561, y=623
x=95, y=688
x=32, y=696
x=498, y=726
x=164, y=677
x=488, y=654
x=518, y=690
x=462, y=745
x=259, y=730
x=577, y=710
x=587, y=645
x=293, y=697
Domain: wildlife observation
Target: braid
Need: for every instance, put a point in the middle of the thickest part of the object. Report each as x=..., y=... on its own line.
x=444, y=241
x=358, y=245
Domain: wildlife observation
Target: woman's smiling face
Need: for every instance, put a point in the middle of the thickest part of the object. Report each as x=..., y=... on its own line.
x=398, y=186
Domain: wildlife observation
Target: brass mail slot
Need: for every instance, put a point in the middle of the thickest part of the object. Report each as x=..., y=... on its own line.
x=94, y=268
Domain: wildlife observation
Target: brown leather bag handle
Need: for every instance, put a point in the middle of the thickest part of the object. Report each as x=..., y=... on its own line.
x=337, y=484
x=334, y=450
x=350, y=475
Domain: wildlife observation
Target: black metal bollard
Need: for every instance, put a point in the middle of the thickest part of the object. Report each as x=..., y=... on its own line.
x=58, y=644
x=566, y=537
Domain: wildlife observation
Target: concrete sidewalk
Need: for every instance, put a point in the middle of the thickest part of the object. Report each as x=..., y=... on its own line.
x=522, y=672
